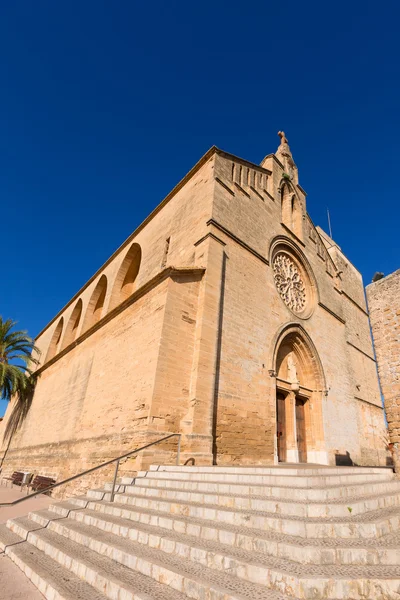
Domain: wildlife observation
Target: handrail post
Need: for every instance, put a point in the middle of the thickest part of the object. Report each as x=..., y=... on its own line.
x=178, y=454
x=114, y=482
x=92, y=469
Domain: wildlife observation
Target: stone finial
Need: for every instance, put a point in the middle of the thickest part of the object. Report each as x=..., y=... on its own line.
x=283, y=137
x=285, y=157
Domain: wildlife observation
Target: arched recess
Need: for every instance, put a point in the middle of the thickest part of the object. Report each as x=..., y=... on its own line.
x=297, y=218
x=286, y=205
x=300, y=390
x=73, y=324
x=95, y=307
x=124, y=284
x=291, y=211
x=55, y=340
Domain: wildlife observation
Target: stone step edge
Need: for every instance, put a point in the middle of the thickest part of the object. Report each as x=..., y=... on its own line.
x=172, y=576
x=218, y=525
x=370, y=527
x=160, y=531
x=242, y=511
x=26, y=527
x=133, y=480
x=51, y=578
x=350, y=501
x=271, y=468
x=282, y=480
x=196, y=543
x=272, y=577
x=8, y=538
x=385, y=519
x=83, y=504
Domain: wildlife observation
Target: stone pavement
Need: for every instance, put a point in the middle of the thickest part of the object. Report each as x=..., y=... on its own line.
x=8, y=494
x=13, y=583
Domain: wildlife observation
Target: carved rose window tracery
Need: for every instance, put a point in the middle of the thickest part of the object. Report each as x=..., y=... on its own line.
x=289, y=282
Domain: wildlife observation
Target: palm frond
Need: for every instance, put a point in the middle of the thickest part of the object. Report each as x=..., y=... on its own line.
x=16, y=347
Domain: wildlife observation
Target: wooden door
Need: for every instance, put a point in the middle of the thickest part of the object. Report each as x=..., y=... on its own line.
x=281, y=427
x=301, y=431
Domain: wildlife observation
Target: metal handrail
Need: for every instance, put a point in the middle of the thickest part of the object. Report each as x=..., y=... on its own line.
x=109, y=462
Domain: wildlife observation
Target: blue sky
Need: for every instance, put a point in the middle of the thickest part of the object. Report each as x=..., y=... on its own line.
x=105, y=106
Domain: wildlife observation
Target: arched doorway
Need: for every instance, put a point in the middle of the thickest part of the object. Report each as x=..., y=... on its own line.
x=300, y=388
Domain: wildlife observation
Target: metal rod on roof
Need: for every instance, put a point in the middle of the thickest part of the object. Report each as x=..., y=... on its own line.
x=329, y=223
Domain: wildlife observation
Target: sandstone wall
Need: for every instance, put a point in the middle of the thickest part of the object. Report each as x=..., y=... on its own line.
x=384, y=306
x=94, y=399
x=248, y=221
x=193, y=347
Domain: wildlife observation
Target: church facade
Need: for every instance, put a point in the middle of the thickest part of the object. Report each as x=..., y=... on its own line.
x=227, y=317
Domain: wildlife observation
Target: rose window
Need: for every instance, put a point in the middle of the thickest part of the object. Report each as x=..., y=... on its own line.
x=289, y=282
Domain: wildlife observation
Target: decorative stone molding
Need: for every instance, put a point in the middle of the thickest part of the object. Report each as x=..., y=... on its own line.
x=289, y=282
x=293, y=277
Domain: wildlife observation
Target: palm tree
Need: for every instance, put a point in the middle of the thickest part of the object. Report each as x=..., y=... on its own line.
x=17, y=380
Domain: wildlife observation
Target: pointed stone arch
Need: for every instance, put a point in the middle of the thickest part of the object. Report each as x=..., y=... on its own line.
x=125, y=280
x=95, y=307
x=55, y=340
x=300, y=390
x=71, y=330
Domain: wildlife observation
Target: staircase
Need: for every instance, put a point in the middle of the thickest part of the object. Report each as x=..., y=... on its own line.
x=219, y=533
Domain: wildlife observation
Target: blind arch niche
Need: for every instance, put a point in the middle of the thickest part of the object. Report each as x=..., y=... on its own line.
x=125, y=281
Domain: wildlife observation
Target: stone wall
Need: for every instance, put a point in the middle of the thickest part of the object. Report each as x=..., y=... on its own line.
x=248, y=222
x=182, y=330
x=384, y=307
x=126, y=380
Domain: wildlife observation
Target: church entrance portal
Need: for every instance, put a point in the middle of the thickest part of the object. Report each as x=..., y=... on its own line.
x=299, y=393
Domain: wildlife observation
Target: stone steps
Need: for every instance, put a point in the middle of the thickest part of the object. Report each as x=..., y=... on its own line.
x=297, y=470
x=173, y=534
x=53, y=581
x=322, y=494
x=295, y=507
x=289, y=478
x=375, y=524
x=384, y=551
x=119, y=567
x=304, y=581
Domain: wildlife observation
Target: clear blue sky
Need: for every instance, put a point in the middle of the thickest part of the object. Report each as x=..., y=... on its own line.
x=105, y=106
